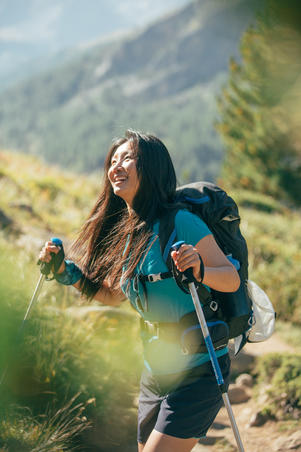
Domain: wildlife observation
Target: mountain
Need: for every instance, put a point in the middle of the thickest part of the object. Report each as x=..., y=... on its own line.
x=35, y=34
x=163, y=78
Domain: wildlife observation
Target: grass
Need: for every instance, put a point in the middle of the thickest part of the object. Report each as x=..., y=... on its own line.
x=64, y=361
x=36, y=194
x=279, y=378
x=50, y=432
x=68, y=359
x=274, y=242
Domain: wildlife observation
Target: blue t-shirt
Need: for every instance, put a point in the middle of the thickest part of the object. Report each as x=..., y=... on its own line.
x=165, y=301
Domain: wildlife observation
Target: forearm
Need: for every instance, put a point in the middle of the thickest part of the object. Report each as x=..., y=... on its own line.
x=222, y=279
x=69, y=272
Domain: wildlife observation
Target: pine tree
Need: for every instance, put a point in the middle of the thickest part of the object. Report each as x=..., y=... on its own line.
x=260, y=108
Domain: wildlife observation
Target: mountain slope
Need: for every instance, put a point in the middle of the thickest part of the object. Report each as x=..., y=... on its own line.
x=162, y=79
x=37, y=34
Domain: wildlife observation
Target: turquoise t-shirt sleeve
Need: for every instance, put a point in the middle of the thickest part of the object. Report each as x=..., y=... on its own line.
x=190, y=228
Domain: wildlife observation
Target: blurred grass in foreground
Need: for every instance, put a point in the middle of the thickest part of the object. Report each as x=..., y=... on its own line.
x=65, y=359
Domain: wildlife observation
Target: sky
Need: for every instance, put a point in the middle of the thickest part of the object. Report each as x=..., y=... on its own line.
x=35, y=29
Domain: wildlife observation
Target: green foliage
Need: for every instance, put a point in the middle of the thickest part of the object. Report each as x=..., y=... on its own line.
x=20, y=431
x=40, y=195
x=64, y=362
x=260, y=107
x=274, y=242
x=259, y=202
x=279, y=378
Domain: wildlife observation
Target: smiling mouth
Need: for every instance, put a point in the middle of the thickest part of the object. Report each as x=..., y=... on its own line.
x=119, y=180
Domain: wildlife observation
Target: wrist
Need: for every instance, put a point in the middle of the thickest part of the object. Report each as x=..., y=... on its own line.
x=62, y=268
x=201, y=270
x=70, y=275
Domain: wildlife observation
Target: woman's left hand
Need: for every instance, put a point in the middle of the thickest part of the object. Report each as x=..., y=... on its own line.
x=187, y=256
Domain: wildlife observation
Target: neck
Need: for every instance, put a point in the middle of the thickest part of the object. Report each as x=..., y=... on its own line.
x=131, y=211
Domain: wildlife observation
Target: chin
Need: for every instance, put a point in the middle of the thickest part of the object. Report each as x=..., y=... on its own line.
x=118, y=193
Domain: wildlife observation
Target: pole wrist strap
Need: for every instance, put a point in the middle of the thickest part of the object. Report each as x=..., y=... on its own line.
x=70, y=275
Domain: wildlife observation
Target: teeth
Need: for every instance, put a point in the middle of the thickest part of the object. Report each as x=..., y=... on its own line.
x=120, y=179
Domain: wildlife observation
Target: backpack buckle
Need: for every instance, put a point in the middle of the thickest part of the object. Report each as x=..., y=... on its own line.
x=154, y=277
x=213, y=305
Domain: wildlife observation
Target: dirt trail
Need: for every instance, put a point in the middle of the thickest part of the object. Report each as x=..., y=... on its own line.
x=255, y=439
x=274, y=344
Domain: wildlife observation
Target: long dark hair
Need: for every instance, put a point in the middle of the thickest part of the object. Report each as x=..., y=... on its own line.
x=100, y=249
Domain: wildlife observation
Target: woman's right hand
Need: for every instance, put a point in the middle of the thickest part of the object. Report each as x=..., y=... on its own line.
x=45, y=254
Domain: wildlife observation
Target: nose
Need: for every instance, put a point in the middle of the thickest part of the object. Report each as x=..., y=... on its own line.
x=117, y=167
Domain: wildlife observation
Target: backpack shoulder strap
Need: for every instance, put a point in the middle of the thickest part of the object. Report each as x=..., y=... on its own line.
x=167, y=234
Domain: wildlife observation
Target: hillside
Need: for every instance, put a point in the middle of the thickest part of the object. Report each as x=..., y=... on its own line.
x=40, y=201
x=74, y=357
x=162, y=79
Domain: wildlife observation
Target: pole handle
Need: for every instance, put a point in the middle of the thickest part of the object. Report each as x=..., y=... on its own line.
x=188, y=273
x=56, y=259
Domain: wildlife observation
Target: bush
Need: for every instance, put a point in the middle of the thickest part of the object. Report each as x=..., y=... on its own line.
x=279, y=379
x=274, y=242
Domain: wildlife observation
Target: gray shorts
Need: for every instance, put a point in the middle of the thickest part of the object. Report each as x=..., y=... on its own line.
x=181, y=405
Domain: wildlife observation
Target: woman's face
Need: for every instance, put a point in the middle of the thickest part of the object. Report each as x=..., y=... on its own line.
x=123, y=173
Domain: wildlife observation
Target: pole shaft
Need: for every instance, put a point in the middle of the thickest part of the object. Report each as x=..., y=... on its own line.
x=233, y=422
x=215, y=363
x=33, y=300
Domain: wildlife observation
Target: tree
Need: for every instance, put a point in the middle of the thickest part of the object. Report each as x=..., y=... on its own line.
x=260, y=108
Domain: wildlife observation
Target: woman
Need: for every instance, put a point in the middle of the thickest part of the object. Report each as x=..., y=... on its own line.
x=179, y=396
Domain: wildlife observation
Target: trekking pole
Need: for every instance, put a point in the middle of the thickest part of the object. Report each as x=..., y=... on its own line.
x=45, y=269
x=210, y=348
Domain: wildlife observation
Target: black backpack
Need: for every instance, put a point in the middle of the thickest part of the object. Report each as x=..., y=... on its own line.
x=220, y=213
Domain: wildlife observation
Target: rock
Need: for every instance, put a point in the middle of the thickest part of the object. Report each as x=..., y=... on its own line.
x=238, y=394
x=285, y=444
x=244, y=380
x=258, y=419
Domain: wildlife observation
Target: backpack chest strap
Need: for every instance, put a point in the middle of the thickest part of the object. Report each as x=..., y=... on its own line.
x=203, y=293
x=154, y=277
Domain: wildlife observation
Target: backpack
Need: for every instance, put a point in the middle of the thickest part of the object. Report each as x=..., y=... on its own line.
x=228, y=314
x=220, y=213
